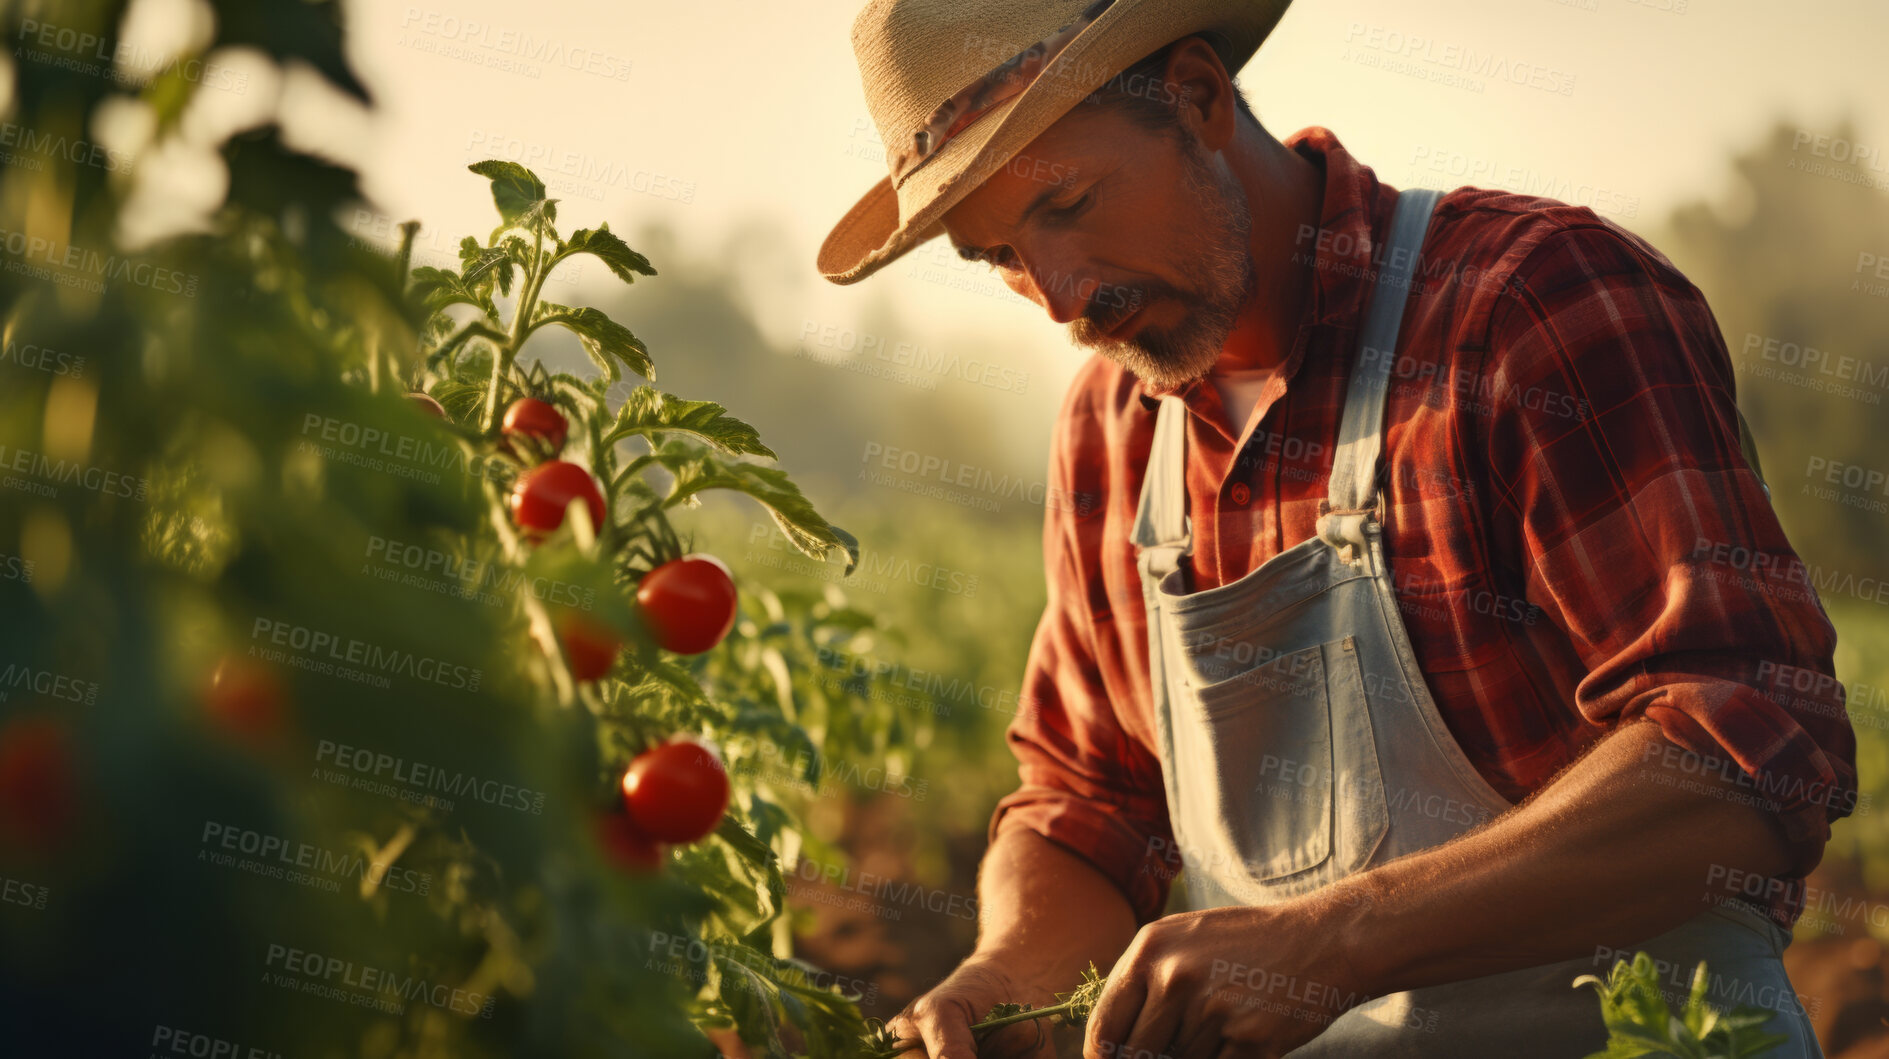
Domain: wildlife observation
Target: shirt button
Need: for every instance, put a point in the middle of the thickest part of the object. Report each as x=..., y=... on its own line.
x=1241, y=494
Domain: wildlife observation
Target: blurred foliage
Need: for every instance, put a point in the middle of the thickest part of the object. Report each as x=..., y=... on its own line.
x=383, y=840
x=1785, y=263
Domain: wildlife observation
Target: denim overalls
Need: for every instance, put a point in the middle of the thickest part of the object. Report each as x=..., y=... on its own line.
x=1299, y=744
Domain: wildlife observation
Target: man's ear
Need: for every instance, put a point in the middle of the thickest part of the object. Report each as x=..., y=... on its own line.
x=1204, y=92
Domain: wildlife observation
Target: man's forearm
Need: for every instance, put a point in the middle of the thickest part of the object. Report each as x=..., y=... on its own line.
x=1047, y=912
x=1606, y=851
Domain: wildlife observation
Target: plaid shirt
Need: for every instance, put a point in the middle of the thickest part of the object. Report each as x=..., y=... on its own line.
x=1574, y=535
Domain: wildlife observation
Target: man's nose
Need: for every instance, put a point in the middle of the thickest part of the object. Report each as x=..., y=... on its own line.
x=1054, y=286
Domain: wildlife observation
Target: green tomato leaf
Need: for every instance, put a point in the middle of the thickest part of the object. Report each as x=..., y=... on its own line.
x=616, y=254
x=487, y=266
x=770, y=820
x=663, y=674
x=1641, y=1024
x=751, y=1000
x=752, y=850
x=450, y=347
x=437, y=288
x=607, y=341
x=515, y=190
x=793, y=746
x=470, y=251
x=648, y=410
x=538, y=219
x=517, y=248
x=461, y=400
x=572, y=393
x=696, y=469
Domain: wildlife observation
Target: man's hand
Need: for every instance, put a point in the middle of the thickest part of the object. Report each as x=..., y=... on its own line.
x=1225, y=982
x=942, y=1018
x=1044, y=915
x=1530, y=887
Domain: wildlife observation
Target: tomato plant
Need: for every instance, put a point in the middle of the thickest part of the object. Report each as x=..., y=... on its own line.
x=633, y=464
x=1641, y=1023
x=688, y=603
x=455, y=686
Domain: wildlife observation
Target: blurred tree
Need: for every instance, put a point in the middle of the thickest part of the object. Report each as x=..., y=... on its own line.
x=1783, y=277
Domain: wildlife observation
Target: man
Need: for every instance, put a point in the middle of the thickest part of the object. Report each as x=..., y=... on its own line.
x=1402, y=617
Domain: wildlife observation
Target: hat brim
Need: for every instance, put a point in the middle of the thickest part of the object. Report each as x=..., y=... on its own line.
x=872, y=235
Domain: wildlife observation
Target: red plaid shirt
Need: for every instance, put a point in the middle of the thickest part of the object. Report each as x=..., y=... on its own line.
x=1574, y=535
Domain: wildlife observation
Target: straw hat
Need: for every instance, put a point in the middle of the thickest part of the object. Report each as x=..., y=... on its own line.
x=958, y=87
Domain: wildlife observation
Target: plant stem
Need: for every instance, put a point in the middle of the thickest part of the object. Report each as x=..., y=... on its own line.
x=540, y=621
x=521, y=323
x=379, y=359
x=501, y=363
x=408, y=229
x=992, y=1024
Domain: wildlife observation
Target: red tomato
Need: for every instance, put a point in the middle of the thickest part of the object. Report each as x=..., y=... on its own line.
x=245, y=700
x=590, y=646
x=677, y=791
x=688, y=603
x=539, y=420
x=542, y=494
x=426, y=402
x=626, y=845
x=38, y=796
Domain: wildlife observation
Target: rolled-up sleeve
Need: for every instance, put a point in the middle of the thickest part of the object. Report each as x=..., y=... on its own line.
x=1086, y=783
x=1645, y=535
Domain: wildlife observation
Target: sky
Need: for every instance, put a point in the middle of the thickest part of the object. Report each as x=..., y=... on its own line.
x=725, y=118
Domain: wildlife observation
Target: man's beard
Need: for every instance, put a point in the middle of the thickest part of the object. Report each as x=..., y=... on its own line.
x=1219, y=280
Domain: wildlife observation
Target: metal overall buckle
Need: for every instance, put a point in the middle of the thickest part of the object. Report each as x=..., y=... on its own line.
x=1364, y=518
x=1157, y=560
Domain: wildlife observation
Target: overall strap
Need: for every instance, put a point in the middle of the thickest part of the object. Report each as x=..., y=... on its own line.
x=1163, y=532
x=1353, y=488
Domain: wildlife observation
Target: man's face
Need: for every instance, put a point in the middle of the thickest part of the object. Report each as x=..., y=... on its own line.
x=1137, y=239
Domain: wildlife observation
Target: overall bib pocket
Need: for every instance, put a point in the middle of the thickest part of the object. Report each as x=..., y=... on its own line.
x=1286, y=786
